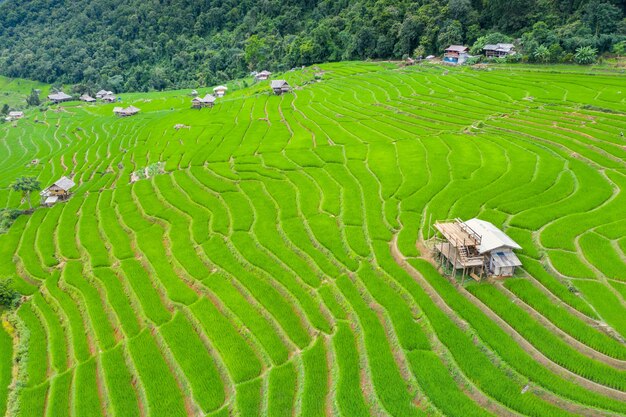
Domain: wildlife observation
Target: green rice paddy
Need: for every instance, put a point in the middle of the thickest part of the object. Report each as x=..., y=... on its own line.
x=272, y=269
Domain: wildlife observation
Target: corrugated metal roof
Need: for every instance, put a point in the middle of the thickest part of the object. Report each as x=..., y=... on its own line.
x=457, y=48
x=64, y=183
x=491, y=237
x=59, y=96
x=279, y=83
x=504, y=259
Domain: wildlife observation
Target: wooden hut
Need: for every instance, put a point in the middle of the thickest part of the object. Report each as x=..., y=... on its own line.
x=59, y=97
x=220, y=90
x=456, y=54
x=476, y=247
x=280, y=87
x=263, y=76
x=125, y=112
x=499, y=50
x=87, y=98
x=14, y=115
x=59, y=191
x=109, y=98
x=103, y=93
x=201, y=102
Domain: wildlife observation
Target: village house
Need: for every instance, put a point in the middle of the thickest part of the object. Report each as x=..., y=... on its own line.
x=59, y=191
x=59, y=97
x=499, y=50
x=455, y=54
x=280, y=87
x=125, y=112
x=109, y=98
x=410, y=61
x=476, y=247
x=206, y=101
x=194, y=93
x=14, y=115
x=263, y=76
x=103, y=93
x=87, y=98
x=220, y=90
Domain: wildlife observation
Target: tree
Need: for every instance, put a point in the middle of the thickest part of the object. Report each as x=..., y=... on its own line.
x=602, y=16
x=254, y=51
x=8, y=295
x=26, y=185
x=491, y=38
x=5, y=109
x=450, y=34
x=33, y=99
x=619, y=48
x=542, y=54
x=585, y=55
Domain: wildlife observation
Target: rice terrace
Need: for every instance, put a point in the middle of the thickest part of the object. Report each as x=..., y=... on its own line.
x=369, y=239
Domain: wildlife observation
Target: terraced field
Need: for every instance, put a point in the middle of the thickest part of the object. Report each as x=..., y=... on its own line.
x=273, y=269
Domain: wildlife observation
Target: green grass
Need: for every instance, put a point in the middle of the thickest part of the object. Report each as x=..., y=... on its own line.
x=195, y=362
x=86, y=401
x=164, y=395
x=120, y=383
x=567, y=322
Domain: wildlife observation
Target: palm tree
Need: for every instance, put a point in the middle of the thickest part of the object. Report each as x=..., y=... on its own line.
x=26, y=185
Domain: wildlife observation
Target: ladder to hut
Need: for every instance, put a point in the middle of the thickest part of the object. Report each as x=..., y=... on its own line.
x=462, y=247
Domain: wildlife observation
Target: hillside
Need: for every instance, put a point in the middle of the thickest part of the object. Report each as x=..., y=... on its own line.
x=272, y=268
x=147, y=45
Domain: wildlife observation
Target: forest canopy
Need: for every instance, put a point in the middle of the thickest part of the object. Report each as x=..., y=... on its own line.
x=135, y=45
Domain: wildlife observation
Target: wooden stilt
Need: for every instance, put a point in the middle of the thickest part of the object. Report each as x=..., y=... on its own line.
x=456, y=254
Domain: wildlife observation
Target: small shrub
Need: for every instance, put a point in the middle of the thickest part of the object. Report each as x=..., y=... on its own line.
x=585, y=55
x=8, y=295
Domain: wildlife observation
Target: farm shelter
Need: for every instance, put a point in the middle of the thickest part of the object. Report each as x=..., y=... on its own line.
x=109, y=98
x=87, y=98
x=59, y=97
x=200, y=102
x=280, y=87
x=499, y=50
x=103, y=93
x=476, y=246
x=263, y=76
x=125, y=112
x=59, y=191
x=455, y=54
x=14, y=115
x=220, y=90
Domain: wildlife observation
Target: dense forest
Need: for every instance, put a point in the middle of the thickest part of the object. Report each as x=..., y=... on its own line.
x=156, y=44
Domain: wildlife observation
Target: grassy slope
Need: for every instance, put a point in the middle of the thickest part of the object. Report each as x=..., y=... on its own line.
x=269, y=239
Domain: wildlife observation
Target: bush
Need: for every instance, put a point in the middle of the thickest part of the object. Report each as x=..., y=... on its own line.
x=7, y=217
x=585, y=55
x=473, y=60
x=8, y=295
x=514, y=58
